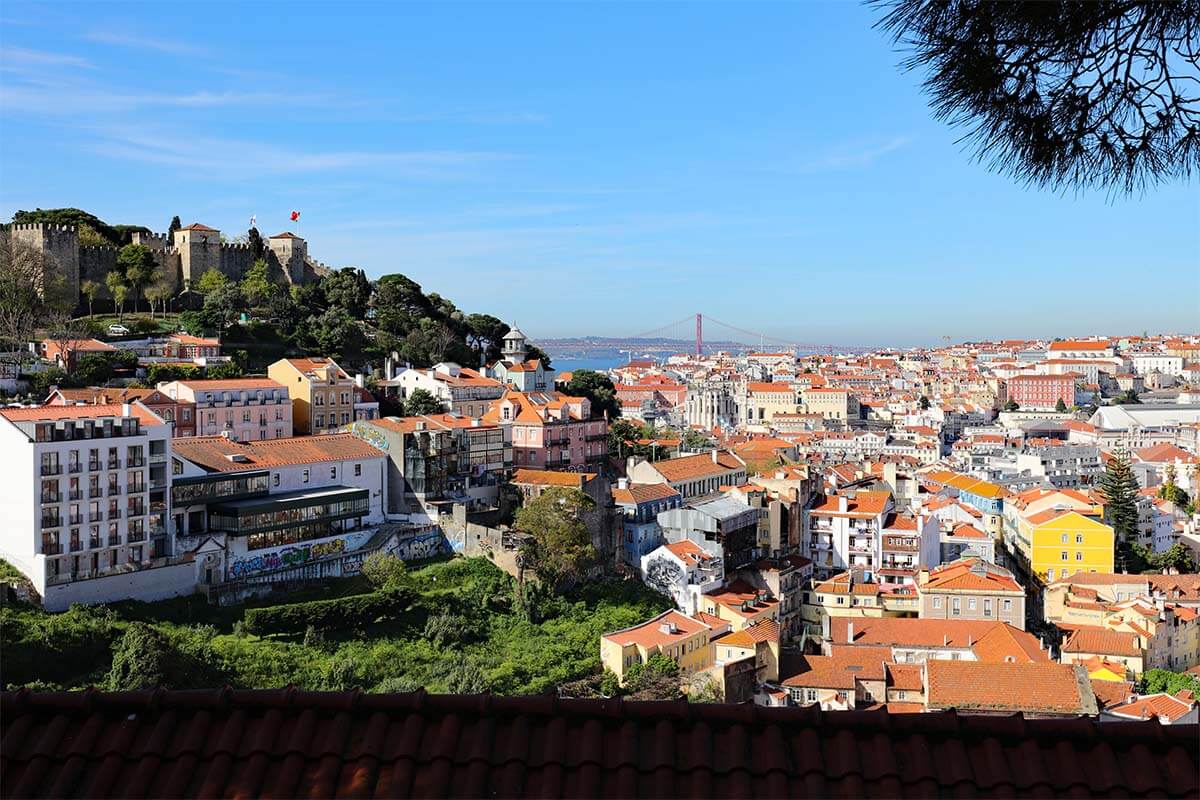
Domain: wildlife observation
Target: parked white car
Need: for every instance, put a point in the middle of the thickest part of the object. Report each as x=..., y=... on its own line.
x=118, y=330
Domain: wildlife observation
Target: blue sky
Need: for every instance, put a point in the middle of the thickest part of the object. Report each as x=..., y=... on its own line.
x=583, y=169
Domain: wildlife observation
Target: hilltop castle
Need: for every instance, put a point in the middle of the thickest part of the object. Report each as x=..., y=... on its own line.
x=182, y=257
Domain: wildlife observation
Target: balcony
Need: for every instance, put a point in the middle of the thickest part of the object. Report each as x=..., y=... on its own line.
x=75, y=494
x=51, y=549
x=135, y=462
x=76, y=546
x=95, y=491
x=51, y=497
x=137, y=537
x=94, y=542
x=114, y=513
x=93, y=466
x=135, y=488
x=158, y=458
x=76, y=519
x=113, y=491
x=51, y=522
x=74, y=467
x=158, y=483
x=113, y=463
x=114, y=541
x=98, y=516
x=52, y=469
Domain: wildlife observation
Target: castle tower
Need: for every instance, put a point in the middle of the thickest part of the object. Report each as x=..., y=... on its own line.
x=514, y=345
x=60, y=244
x=199, y=249
x=292, y=254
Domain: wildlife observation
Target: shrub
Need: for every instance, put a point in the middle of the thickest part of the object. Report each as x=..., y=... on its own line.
x=325, y=615
x=385, y=569
x=141, y=659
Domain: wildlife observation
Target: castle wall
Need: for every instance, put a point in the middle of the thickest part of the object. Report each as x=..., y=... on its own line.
x=235, y=260
x=60, y=243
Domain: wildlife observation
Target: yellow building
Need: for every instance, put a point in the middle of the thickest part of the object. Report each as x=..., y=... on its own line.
x=1065, y=542
x=740, y=604
x=681, y=638
x=322, y=393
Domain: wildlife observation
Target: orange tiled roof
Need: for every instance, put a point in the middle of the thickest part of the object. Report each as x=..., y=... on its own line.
x=1102, y=641
x=1044, y=687
x=636, y=493
x=700, y=465
x=650, y=634
x=841, y=669
x=212, y=452
x=541, y=477
x=54, y=413
x=863, y=504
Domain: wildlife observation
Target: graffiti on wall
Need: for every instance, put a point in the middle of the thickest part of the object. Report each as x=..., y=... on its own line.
x=368, y=433
x=425, y=545
x=287, y=557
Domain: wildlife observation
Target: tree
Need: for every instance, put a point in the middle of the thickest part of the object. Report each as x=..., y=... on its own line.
x=1171, y=491
x=385, y=570
x=93, y=369
x=141, y=660
x=705, y=689
x=1177, y=557
x=349, y=290
x=1060, y=406
x=176, y=224
x=224, y=371
x=1128, y=398
x=485, y=335
x=420, y=402
x=1119, y=487
x=224, y=303
x=923, y=402
x=91, y=290
x=90, y=237
x=657, y=679
x=1073, y=93
x=24, y=272
x=1011, y=405
x=119, y=293
x=694, y=441
x=560, y=547
x=1161, y=680
x=258, y=249
x=158, y=293
x=256, y=285
x=333, y=332
x=598, y=388
x=211, y=281
x=137, y=262
x=533, y=352
x=620, y=433
x=112, y=280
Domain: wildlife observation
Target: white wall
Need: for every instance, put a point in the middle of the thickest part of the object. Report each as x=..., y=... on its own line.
x=146, y=585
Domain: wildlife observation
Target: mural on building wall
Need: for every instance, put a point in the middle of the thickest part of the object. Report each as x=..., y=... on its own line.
x=425, y=545
x=368, y=433
x=287, y=557
x=664, y=575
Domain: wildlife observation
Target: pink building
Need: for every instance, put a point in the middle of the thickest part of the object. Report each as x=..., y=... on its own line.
x=551, y=430
x=245, y=409
x=1042, y=391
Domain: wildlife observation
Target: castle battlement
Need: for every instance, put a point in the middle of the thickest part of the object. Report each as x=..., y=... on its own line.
x=98, y=248
x=235, y=247
x=43, y=226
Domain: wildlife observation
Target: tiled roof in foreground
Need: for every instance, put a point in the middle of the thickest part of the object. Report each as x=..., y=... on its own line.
x=286, y=743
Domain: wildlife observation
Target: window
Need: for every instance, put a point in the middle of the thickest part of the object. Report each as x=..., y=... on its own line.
x=1078, y=555
x=304, y=476
x=1079, y=538
x=275, y=479
x=970, y=603
x=1007, y=604
x=333, y=473
x=1064, y=538
x=937, y=602
x=987, y=607
x=1065, y=555
x=956, y=606
x=357, y=470
x=1050, y=573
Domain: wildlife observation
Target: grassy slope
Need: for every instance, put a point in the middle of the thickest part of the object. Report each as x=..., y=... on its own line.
x=515, y=656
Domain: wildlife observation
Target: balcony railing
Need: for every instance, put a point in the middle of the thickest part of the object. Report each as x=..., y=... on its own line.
x=75, y=494
x=135, y=462
x=75, y=519
x=95, y=491
x=114, y=541
x=114, y=490
x=135, y=488
x=158, y=458
x=94, y=542
x=114, y=513
x=137, y=537
x=93, y=466
x=114, y=463
x=51, y=469
x=74, y=467
x=51, y=497
x=51, y=549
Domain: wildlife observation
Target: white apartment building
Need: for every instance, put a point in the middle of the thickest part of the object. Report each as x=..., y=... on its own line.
x=863, y=531
x=464, y=392
x=87, y=510
x=245, y=409
x=1145, y=363
x=255, y=508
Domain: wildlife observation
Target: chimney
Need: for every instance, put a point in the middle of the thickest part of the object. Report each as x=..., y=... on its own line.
x=126, y=410
x=360, y=380
x=714, y=455
x=843, y=503
x=849, y=633
x=622, y=483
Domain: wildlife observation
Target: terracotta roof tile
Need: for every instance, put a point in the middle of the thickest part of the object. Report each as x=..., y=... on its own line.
x=1048, y=687
x=212, y=452
x=541, y=477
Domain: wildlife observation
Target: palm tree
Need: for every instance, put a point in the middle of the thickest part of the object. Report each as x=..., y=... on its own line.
x=113, y=280
x=120, y=291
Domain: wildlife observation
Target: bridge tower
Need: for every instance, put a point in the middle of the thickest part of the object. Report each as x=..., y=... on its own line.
x=699, y=335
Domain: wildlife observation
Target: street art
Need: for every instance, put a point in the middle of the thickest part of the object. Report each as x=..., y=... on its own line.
x=368, y=434
x=287, y=557
x=426, y=545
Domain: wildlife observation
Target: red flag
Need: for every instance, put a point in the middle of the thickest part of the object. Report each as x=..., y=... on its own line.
x=295, y=216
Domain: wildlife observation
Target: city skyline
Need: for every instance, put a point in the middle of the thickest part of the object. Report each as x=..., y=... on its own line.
x=585, y=171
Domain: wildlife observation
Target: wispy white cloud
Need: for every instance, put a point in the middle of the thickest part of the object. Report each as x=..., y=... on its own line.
x=21, y=59
x=139, y=42
x=851, y=155
x=221, y=158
